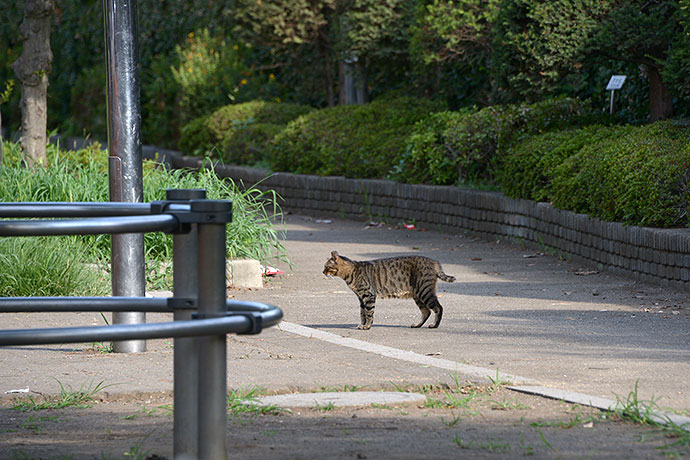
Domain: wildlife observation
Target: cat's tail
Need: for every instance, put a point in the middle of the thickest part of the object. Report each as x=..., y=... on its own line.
x=443, y=276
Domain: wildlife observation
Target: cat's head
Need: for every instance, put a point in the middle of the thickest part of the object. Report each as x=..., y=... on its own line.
x=334, y=265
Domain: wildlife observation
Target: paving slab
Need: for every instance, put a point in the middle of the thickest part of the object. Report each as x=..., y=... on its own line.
x=341, y=399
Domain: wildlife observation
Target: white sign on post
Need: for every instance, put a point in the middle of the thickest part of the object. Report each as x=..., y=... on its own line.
x=616, y=82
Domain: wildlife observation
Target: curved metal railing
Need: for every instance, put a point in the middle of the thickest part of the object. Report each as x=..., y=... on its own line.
x=202, y=315
x=242, y=318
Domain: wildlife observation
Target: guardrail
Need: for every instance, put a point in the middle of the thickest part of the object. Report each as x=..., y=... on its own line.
x=201, y=314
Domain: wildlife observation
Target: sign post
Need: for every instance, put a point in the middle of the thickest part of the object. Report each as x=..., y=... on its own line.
x=616, y=82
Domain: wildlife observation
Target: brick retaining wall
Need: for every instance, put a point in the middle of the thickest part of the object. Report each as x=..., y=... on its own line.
x=649, y=254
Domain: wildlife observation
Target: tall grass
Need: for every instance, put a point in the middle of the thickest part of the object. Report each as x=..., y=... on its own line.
x=83, y=176
x=41, y=266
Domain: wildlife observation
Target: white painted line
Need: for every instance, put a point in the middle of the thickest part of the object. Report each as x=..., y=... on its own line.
x=409, y=356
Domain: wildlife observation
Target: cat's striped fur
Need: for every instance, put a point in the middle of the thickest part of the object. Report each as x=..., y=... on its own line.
x=401, y=277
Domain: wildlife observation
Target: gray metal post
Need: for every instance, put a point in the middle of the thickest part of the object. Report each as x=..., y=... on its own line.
x=186, y=358
x=125, y=157
x=212, y=349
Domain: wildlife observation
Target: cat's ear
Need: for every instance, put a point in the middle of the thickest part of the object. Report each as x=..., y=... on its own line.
x=335, y=255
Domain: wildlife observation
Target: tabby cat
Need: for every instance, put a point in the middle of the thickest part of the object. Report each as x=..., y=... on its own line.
x=400, y=277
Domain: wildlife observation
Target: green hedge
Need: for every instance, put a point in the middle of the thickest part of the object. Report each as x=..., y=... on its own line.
x=463, y=146
x=526, y=170
x=352, y=140
x=635, y=175
x=239, y=133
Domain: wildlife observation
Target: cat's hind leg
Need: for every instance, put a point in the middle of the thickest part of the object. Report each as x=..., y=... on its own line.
x=436, y=307
x=425, y=313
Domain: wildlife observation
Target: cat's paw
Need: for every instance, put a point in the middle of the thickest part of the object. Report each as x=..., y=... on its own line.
x=363, y=327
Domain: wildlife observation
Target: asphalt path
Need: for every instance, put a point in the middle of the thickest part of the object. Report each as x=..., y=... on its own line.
x=514, y=311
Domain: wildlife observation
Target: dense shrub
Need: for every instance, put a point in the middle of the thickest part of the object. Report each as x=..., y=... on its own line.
x=636, y=175
x=239, y=133
x=639, y=176
x=526, y=169
x=462, y=146
x=354, y=140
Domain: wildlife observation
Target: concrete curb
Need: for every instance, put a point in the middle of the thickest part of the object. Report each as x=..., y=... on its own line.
x=658, y=416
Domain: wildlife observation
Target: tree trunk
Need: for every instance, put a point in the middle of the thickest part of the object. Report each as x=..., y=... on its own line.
x=32, y=68
x=353, y=89
x=660, y=101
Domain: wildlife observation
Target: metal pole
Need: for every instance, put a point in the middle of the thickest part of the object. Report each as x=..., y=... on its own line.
x=611, y=104
x=125, y=157
x=212, y=349
x=186, y=356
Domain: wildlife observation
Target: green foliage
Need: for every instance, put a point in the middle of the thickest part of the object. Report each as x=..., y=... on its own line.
x=206, y=72
x=248, y=145
x=239, y=133
x=635, y=175
x=527, y=168
x=40, y=266
x=245, y=402
x=454, y=30
x=353, y=141
x=320, y=35
x=540, y=46
x=677, y=69
x=209, y=74
x=161, y=119
x=251, y=234
x=642, y=32
x=463, y=146
x=82, y=176
x=5, y=95
x=277, y=23
x=365, y=24
x=638, y=30
x=640, y=177
x=81, y=398
x=450, y=48
x=89, y=102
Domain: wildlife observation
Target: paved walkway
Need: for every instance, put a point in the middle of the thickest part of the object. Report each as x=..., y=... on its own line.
x=513, y=313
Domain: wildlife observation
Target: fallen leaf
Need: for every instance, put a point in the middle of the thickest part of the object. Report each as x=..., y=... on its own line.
x=583, y=272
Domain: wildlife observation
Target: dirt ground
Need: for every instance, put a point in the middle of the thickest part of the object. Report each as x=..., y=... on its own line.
x=499, y=425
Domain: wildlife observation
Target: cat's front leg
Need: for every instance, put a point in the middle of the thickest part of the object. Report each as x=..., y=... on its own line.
x=367, y=304
x=362, y=315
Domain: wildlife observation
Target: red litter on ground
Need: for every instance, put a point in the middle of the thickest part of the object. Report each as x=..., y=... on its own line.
x=270, y=271
x=409, y=226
